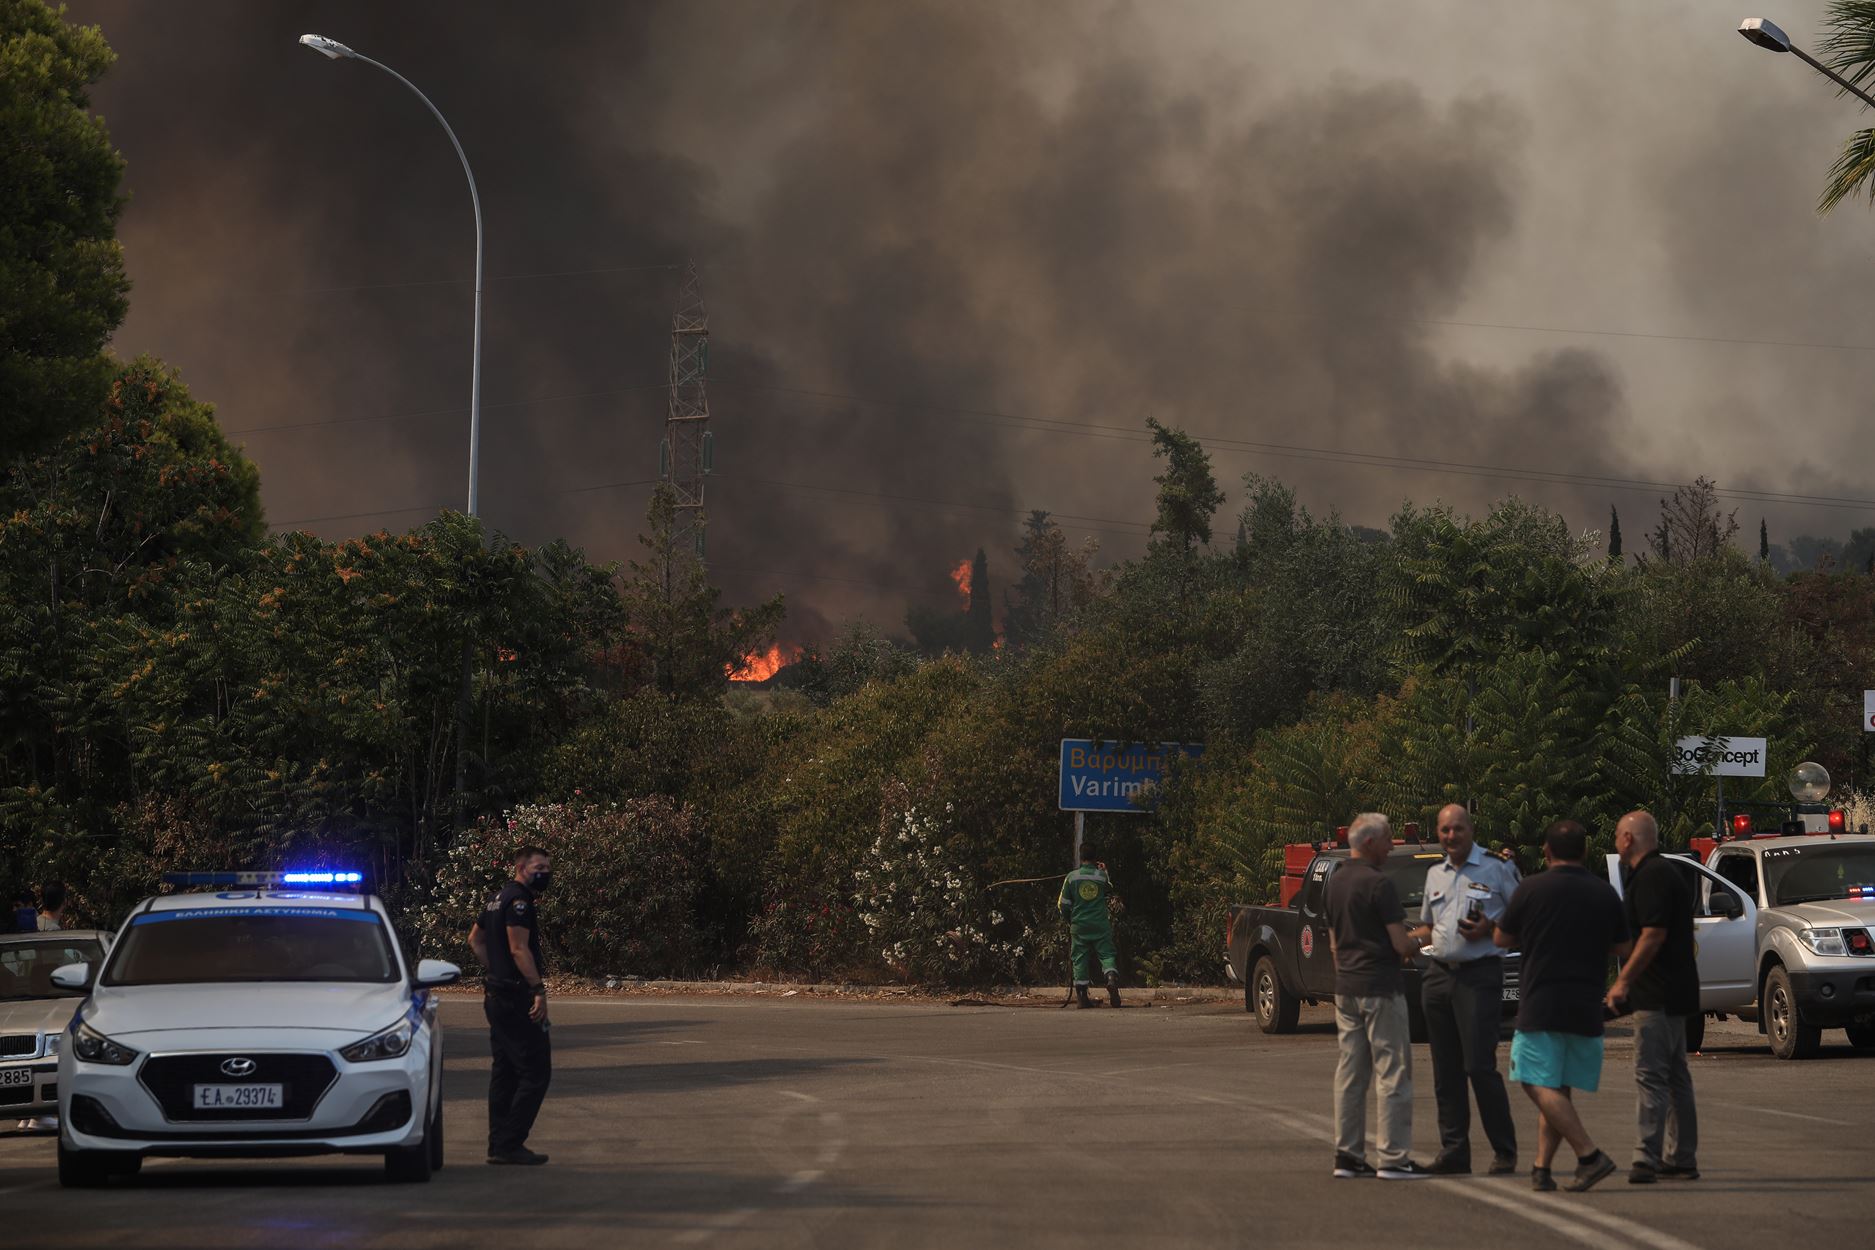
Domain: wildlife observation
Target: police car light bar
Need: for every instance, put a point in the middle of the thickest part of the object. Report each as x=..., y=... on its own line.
x=264, y=878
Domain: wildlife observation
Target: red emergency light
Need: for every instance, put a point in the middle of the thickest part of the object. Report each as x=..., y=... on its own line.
x=1411, y=830
x=1341, y=835
x=1836, y=821
x=1741, y=824
x=1859, y=943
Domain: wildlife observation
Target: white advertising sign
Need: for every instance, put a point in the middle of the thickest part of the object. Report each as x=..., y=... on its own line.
x=1868, y=711
x=1720, y=757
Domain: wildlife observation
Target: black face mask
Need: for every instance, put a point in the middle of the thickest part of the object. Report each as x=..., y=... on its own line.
x=539, y=881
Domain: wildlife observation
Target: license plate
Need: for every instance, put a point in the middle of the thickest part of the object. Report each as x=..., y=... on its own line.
x=1511, y=992
x=239, y=1097
x=15, y=1076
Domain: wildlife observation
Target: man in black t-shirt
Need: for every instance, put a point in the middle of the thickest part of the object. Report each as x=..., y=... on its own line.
x=1660, y=984
x=506, y=939
x=1567, y=923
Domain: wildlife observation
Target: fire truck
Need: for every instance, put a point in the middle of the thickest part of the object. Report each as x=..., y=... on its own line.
x=1280, y=954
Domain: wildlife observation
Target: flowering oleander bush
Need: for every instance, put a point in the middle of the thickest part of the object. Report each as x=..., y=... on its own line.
x=926, y=914
x=626, y=882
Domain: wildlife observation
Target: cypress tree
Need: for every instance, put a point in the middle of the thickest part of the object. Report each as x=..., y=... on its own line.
x=1764, y=540
x=979, y=629
x=1614, y=534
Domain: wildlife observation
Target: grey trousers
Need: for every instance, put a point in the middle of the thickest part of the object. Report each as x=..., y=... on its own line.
x=1463, y=1007
x=1667, y=1119
x=1375, y=1048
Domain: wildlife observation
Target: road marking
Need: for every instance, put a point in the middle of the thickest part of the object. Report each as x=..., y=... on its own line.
x=1563, y=1225
x=799, y=1181
x=717, y=1224
x=1794, y=1115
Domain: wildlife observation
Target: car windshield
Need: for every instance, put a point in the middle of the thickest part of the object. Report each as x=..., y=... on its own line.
x=26, y=967
x=253, y=943
x=1822, y=870
x=1408, y=874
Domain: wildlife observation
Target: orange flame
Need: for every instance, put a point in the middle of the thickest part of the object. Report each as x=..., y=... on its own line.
x=761, y=665
x=961, y=575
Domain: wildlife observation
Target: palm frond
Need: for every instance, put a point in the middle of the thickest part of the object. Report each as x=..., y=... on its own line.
x=1852, y=174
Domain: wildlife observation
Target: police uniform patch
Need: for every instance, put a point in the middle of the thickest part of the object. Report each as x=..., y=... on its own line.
x=1089, y=891
x=520, y=907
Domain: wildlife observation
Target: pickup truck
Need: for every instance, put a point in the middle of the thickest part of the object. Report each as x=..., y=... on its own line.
x=1786, y=933
x=1280, y=954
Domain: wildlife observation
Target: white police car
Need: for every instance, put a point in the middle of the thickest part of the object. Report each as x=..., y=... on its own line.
x=270, y=1017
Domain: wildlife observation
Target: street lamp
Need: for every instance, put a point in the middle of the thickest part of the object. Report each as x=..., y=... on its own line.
x=332, y=49
x=1767, y=34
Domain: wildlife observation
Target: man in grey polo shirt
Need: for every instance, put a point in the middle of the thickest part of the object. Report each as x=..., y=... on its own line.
x=1462, y=993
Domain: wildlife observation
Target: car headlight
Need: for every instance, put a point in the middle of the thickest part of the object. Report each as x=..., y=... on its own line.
x=1823, y=941
x=93, y=1047
x=387, y=1044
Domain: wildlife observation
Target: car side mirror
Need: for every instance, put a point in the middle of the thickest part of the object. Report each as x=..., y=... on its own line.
x=72, y=976
x=432, y=973
x=1725, y=903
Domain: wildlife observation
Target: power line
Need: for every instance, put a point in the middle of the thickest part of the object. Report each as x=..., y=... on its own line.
x=1328, y=454
x=500, y=277
x=437, y=412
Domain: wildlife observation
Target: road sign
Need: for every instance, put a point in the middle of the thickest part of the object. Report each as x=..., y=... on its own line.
x=1720, y=757
x=1101, y=776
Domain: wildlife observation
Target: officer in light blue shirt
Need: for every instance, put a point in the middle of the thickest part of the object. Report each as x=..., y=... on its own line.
x=1462, y=993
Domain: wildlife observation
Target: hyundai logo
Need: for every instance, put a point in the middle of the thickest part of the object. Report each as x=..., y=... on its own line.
x=238, y=1066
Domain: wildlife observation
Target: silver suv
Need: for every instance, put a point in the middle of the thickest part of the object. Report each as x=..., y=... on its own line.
x=1815, y=949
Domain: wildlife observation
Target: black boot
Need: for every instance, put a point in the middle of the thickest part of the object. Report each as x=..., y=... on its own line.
x=1113, y=987
x=1080, y=997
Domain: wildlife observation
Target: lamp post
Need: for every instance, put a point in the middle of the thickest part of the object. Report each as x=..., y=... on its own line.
x=334, y=50
x=1766, y=34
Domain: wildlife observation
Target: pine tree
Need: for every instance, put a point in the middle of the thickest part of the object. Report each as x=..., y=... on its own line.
x=980, y=629
x=1614, y=534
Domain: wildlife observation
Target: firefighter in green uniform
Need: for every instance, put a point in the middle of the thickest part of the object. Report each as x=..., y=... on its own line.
x=1083, y=905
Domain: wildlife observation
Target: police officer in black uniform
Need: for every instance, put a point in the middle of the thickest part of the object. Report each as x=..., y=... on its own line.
x=514, y=997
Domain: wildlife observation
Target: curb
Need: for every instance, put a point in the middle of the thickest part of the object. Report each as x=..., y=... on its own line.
x=581, y=987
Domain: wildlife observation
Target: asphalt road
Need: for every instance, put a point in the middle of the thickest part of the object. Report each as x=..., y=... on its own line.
x=772, y=1122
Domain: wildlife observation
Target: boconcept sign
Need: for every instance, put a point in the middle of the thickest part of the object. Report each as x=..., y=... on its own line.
x=1720, y=757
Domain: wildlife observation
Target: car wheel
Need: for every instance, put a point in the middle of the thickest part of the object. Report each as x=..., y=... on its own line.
x=408, y=1164
x=1790, y=1037
x=1862, y=1036
x=1276, y=1008
x=1695, y=1032
x=434, y=1138
x=82, y=1169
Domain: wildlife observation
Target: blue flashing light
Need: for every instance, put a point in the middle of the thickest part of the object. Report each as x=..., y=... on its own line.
x=264, y=879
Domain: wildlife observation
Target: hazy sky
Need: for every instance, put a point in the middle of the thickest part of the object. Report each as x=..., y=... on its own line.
x=955, y=254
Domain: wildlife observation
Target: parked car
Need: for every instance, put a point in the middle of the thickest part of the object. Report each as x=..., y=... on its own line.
x=266, y=1019
x=34, y=1013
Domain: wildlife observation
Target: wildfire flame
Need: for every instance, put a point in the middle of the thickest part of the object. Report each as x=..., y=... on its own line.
x=961, y=575
x=761, y=665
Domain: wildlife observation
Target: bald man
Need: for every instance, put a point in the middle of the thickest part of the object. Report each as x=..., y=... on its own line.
x=1659, y=983
x=1462, y=994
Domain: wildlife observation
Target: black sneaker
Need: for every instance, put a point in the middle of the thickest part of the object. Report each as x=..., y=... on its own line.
x=1673, y=1172
x=1503, y=1165
x=522, y=1157
x=1541, y=1180
x=1643, y=1174
x=1113, y=988
x=1349, y=1168
x=1590, y=1173
x=1405, y=1170
x=1447, y=1165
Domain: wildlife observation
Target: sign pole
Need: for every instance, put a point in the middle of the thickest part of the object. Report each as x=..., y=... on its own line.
x=1718, y=824
x=1080, y=827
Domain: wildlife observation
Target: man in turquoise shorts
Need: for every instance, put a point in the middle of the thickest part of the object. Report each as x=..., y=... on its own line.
x=1083, y=904
x=1569, y=925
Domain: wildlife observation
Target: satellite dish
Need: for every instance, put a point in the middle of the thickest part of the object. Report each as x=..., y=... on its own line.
x=1809, y=782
